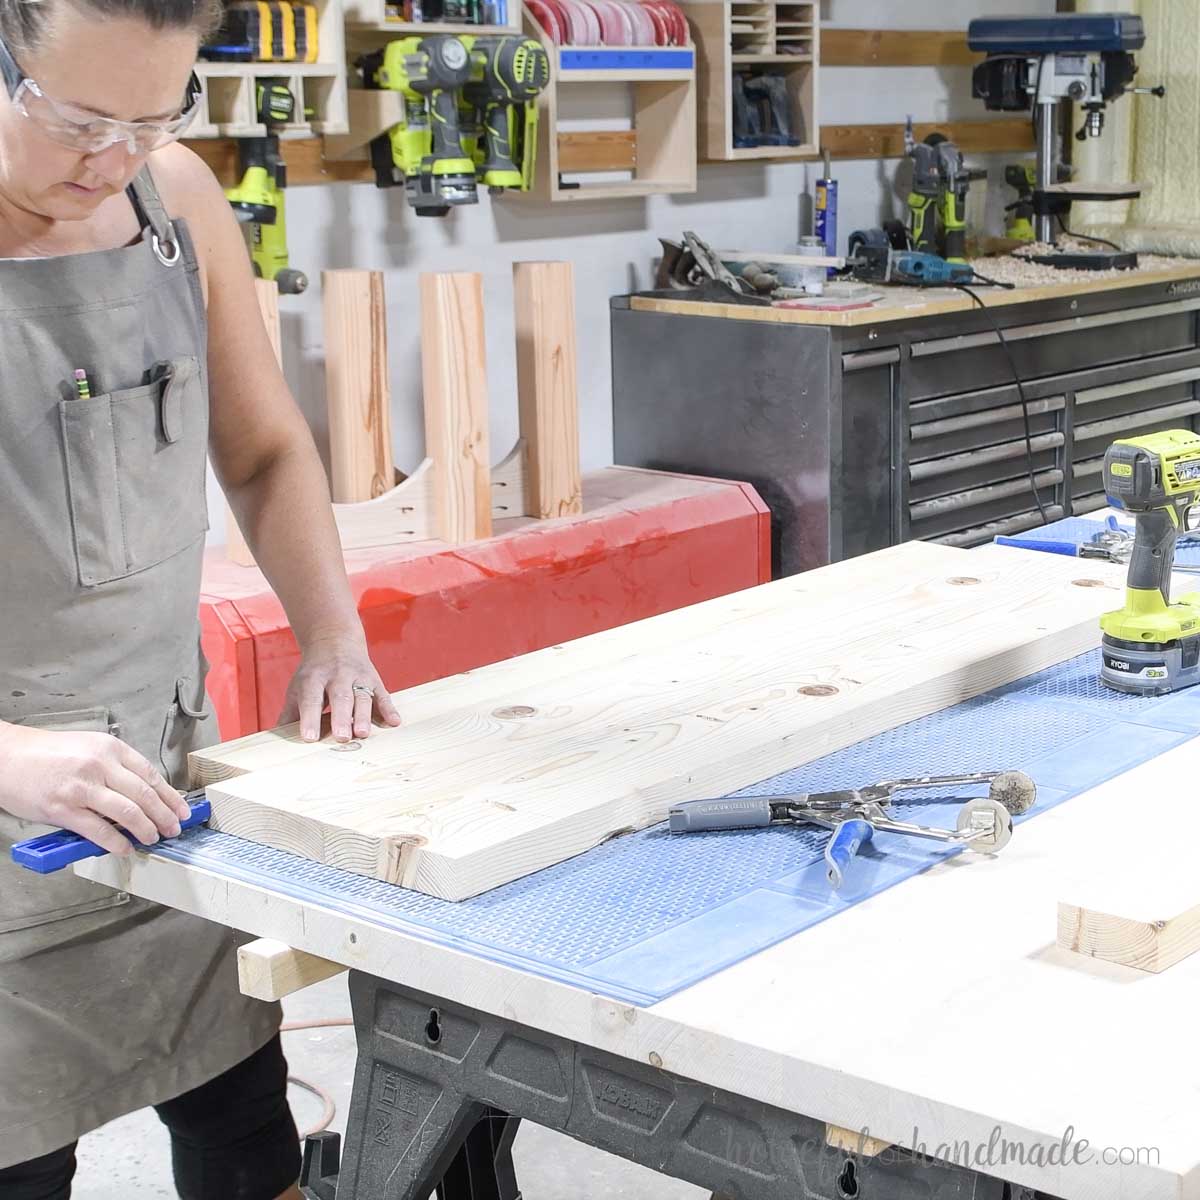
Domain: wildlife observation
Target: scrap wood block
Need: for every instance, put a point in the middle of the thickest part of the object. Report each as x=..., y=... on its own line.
x=1152, y=940
x=525, y=764
x=270, y=970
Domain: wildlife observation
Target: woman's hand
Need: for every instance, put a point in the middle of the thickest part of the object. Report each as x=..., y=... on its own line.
x=337, y=671
x=87, y=783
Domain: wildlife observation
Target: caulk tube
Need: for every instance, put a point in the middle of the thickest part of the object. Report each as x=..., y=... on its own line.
x=825, y=210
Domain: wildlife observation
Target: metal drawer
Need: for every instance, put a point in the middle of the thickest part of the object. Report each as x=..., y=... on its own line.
x=977, y=535
x=1093, y=438
x=976, y=430
x=979, y=506
x=938, y=366
x=959, y=472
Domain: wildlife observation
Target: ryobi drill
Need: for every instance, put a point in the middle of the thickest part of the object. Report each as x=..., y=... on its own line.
x=938, y=195
x=1151, y=646
x=258, y=197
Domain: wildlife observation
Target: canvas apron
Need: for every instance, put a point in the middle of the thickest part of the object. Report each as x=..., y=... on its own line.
x=107, y=1003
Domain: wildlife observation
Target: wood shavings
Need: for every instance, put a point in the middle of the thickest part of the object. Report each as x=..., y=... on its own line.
x=1016, y=269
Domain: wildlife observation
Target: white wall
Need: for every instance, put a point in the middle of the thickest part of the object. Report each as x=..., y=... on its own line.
x=612, y=244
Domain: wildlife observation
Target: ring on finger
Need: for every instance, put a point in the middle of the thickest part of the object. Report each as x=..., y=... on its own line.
x=363, y=689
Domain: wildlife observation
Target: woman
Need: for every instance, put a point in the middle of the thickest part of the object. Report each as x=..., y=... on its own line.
x=130, y=343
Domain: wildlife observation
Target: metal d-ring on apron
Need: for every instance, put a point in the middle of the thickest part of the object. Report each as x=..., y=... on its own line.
x=107, y=1003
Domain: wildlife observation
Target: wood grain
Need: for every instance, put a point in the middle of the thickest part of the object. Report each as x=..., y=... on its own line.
x=896, y=48
x=270, y=970
x=1151, y=944
x=454, y=369
x=597, y=150
x=548, y=384
x=266, y=292
x=436, y=699
x=998, y=135
x=485, y=793
x=356, y=385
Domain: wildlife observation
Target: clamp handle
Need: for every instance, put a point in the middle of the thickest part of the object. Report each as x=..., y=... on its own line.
x=844, y=843
x=741, y=812
x=52, y=851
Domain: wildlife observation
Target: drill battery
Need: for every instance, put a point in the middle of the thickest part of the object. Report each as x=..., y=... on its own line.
x=266, y=31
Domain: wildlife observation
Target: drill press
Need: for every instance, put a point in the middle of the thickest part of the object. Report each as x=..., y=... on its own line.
x=1040, y=62
x=1152, y=646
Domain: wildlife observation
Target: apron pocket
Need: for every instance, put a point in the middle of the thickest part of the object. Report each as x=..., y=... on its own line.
x=136, y=472
x=183, y=731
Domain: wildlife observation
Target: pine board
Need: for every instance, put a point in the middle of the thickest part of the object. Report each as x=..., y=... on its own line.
x=1129, y=909
x=504, y=780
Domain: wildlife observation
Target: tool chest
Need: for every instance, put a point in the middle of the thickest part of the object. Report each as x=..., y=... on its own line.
x=858, y=437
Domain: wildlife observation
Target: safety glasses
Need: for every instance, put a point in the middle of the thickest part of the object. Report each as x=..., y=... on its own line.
x=78, y=129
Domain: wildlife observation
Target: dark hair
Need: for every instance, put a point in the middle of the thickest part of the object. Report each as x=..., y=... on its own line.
x=23, y=22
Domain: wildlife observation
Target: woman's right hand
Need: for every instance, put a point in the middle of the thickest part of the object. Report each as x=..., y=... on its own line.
x=87, y=783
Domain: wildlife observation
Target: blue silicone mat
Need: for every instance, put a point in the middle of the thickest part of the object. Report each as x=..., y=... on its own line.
x=643, y=916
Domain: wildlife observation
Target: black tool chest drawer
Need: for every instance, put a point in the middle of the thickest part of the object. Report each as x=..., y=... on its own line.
x=859, y=438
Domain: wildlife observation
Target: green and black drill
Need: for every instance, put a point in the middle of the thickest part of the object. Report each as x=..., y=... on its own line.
x=937, y=198
x=425, y=151
x=258, y=198
x=1152, y=646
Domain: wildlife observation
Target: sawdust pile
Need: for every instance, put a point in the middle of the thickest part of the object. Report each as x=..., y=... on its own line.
x=1013, y=268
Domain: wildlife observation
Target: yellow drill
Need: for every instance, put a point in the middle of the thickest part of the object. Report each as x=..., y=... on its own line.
x=258, y=198
x=426, y=148
x=1151, y=646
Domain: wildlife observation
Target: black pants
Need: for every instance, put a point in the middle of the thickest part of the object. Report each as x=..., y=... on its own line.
x=232, y=1138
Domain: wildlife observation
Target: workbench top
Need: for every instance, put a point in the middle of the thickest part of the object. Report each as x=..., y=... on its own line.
x=907, y=303
x=939, y=1011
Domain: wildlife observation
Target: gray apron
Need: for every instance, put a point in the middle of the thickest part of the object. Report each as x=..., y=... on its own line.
x=107, y=1003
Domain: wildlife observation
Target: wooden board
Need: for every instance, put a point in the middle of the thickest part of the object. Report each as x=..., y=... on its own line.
x=548, y=385
x=896, y=48
x=1151, y=941
x=356, y=385
x=270, y=970
x=907, y=304
x=597, y=150
x=988, y=136
x=454, y=370
x=1048, y=1010
x=489, y=791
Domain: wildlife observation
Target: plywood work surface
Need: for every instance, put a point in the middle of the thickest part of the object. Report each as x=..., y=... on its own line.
x=515, y=767
x=907, y=303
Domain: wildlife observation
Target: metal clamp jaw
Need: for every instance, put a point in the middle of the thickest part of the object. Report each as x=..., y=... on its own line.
x=855, y=815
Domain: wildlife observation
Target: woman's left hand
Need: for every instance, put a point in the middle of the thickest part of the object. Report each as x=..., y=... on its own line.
x=337, y=672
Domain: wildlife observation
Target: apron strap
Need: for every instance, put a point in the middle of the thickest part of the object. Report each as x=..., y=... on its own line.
x=152, y=216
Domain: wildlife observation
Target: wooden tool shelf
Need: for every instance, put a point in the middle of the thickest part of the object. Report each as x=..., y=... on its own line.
x=372, y=16
x=228, y=89
x=782, y=38
x=656, y=156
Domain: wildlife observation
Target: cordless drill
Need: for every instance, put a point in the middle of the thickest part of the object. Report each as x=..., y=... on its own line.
x=1151, y=646
x=508, y=73
x=258, y=198
x=937, y=199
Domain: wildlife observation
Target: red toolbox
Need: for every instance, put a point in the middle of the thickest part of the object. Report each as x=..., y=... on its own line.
x=647, y=542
